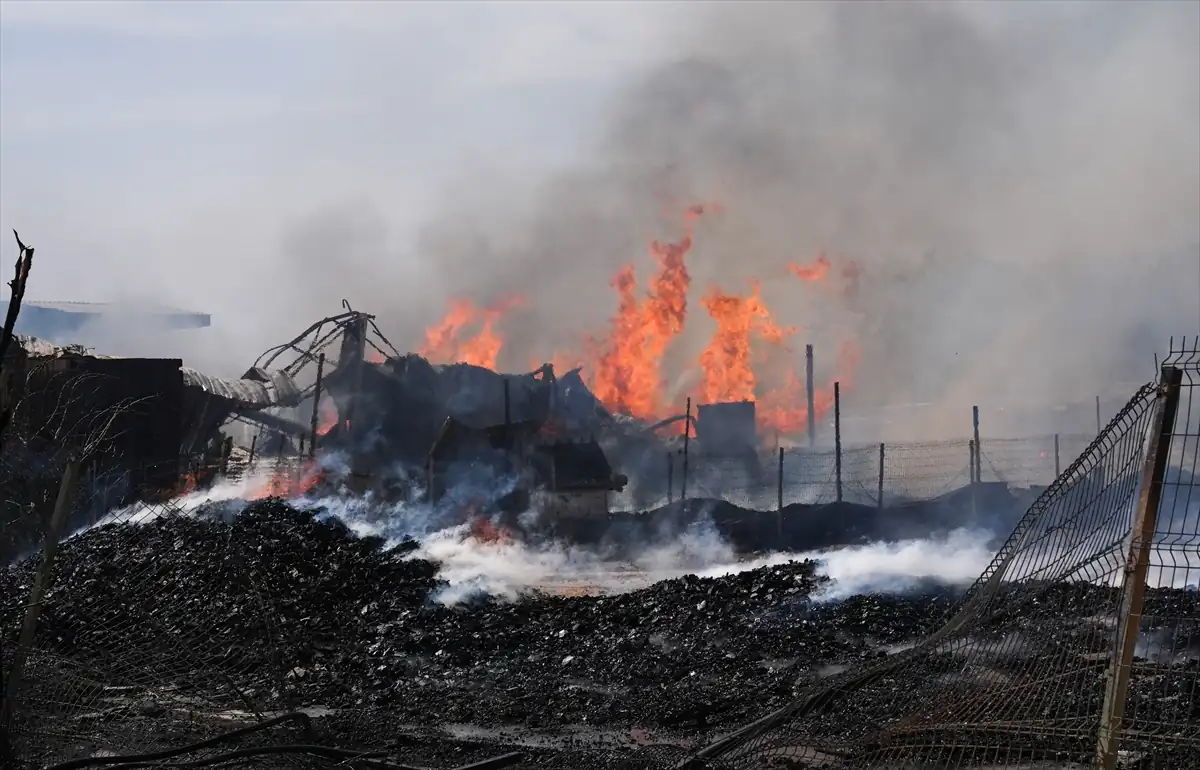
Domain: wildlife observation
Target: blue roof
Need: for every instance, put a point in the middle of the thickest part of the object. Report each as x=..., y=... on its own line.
x=58, y=320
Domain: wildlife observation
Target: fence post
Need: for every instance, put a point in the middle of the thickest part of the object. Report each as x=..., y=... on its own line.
x=779, y=490
x=58, y=519
x=808, y=384
x=837, y=436
x=670, y=477
x=880, y=497
x=971, y=466
x=1057, y=461
x=779, y=479
x=1133, y=585
x=978, y=446
x=250, y=459
x=687, y=432
x=316, y=412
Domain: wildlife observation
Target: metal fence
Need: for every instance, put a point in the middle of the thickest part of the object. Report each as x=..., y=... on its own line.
x=1078, y=647
x=895, y=474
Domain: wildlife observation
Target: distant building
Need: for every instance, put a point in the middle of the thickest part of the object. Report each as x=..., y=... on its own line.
x=60, y=322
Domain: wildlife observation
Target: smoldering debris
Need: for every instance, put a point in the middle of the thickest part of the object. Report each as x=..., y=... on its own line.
x=278, y=606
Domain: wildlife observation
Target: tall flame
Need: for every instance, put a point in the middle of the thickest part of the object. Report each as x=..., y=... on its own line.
x=726, y=361
x=627, y=377
x=623, y=368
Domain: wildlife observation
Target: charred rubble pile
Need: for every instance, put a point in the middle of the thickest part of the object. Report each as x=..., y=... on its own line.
x=287, y=604
x=297, y=610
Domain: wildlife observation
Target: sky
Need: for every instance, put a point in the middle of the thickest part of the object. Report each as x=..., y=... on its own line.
x=1020, y=181
x=176, y=139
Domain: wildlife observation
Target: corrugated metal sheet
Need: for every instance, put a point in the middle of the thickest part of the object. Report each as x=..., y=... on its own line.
x=280, y=391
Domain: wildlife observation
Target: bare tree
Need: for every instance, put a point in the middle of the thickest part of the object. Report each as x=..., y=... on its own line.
x=16, y=297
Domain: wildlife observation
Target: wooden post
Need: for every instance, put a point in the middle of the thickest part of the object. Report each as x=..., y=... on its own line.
x=1133, y=585
x=316, y=412
x=879, y=498
x=808, y=384
x=250, y=460
x=670, y=478
x=978, y=446
x=837, y=436
x=1057, y=458
x=971, y=466
x=687, y=432
x=41, y=583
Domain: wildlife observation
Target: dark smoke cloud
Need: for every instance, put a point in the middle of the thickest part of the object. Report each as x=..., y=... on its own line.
x=1021, y=184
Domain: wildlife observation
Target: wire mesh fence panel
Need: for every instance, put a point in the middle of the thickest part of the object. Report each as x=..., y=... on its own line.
x=1028, y=462
x=1017, y=675
x=1161, y=715
x=914, y=472
x=164, y=666
x=809, y=477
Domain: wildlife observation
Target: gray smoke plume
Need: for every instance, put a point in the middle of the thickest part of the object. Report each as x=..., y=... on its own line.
x=1020, y=184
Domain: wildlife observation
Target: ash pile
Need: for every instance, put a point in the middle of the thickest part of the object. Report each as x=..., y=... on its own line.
x=168, y=631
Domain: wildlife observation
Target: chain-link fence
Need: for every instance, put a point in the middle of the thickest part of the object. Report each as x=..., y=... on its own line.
x=896, y=474
x=1078, y=647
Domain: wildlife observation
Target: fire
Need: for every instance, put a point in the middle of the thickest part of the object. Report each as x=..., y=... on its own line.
x=289, y=483
x=623, y=368
x=327, y=416
x=444, y=341
x=814, y=272
x=785, y=409
x=484, y=530
x=726, y=361
x=627, y=377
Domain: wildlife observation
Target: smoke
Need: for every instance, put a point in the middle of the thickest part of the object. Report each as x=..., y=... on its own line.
x=1020, y=183
x=995, y=170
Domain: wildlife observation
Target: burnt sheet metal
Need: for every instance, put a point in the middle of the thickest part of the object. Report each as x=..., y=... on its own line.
x=278, y=390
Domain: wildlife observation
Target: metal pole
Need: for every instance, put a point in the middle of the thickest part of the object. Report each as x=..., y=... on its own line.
x=250, y=460
x=837, y=436
x=1133, y=587
x=670, y=478
x=687, y=431
x=779, y=514
x=1057, y=461
x=808, y=384
x=971, y=466
x=779, y=478
x=978, y=446
x=316, y=412
x=41, y=583
x=879, y=498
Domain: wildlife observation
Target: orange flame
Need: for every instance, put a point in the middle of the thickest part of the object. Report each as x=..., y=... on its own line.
x=484, y=530
x=288, y=483
x=813, y=272
x=785, y=409
x=627, y=377
x=624, y=367
x=444, y=343
x=728, y=369
x=327, y=416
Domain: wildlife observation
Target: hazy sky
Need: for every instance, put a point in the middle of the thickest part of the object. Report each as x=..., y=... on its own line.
x=262, y=160
x=128, y=131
